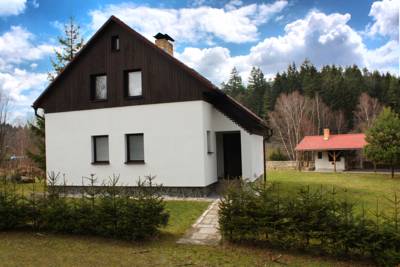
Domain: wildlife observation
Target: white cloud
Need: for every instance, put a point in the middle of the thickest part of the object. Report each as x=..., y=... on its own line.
x=386, y=18
x=233, y=4
x=385, y=58
x=17, y=46
x=322, y=38
x=35, y=3
x=23, y=87
x=12, y=7
x=237, y=23
x=21, y=81
x=214, y=63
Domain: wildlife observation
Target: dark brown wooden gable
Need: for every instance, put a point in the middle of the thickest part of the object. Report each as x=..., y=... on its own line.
x=162, y=80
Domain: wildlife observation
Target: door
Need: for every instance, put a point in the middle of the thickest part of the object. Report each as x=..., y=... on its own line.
x=232, y=155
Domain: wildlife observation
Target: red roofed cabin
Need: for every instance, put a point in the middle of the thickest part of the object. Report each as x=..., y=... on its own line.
x=336, y=152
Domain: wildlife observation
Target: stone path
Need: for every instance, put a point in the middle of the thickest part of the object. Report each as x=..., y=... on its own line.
x=205, y=230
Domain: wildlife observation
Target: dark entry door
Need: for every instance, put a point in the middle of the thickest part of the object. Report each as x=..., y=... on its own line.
x=232, y=155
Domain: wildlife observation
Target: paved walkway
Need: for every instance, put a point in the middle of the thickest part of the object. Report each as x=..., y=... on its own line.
x=205, y=230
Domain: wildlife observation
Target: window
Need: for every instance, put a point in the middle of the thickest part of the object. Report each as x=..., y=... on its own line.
x=209, y=144
x=115, y=43
x=331, y=154
x=100, y=149
x=134, y=148
x=319, y=155
x=99, y=87
x=133, y=83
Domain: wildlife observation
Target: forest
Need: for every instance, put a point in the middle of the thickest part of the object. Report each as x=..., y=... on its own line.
x=304, y=100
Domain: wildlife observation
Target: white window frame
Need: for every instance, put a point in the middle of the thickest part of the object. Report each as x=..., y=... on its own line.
x=134, y=83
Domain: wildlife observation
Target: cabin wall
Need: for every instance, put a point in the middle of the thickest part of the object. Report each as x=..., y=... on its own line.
x=325, y=165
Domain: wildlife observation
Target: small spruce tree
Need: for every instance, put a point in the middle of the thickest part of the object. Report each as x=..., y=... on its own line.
x=38, y=155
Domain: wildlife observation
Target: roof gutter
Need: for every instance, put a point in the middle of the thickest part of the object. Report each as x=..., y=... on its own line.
x=36, y=113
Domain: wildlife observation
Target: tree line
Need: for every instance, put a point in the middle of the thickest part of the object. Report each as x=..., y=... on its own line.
x=339, y=88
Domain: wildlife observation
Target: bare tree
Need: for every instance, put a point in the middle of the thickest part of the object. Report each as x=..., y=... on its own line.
x=322, y=115
x=366, y=112
x=291, y=120
x=4, y=109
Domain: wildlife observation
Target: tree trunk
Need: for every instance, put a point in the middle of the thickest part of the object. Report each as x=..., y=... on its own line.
x=392, y=170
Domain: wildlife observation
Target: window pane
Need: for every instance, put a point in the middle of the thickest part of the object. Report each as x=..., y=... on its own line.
x=136, y=147
x=115, y=43
x=135, y=83
x=101, y=144
x=209, y=148
x=101, y=87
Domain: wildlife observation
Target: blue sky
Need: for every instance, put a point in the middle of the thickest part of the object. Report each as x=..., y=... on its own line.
x=211, y=36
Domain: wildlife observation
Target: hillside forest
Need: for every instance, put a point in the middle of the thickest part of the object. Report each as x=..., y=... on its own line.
x=303, y=100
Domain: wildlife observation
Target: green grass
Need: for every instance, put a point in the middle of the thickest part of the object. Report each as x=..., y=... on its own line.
x=363, y=189
x=33, y=249
x=25, y=189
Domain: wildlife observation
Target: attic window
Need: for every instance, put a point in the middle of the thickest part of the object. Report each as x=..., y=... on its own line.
x=115, y=43
x=99, y=87
x=133, y=83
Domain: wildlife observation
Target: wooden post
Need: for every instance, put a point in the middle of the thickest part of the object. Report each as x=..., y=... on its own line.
x=334, y=160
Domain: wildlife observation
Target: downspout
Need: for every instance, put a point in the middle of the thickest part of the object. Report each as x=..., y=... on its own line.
x=36, y=113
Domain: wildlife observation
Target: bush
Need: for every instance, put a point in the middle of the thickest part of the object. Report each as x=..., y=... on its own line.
x=278, y=155
x=110, y=214
x=311, y=220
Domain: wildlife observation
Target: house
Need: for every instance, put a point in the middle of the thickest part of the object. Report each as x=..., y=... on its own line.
x=334, y=152
x=128, y=107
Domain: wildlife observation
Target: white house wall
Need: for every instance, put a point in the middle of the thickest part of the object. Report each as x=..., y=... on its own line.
x=325, y=165
x=251, y=145
x=173, y=143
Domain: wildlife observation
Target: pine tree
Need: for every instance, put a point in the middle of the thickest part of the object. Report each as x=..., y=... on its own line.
x=309, y=78
x=384, y=139
x=234, y=87
x=37, y=130
x=256, y=90
x=71, y=43
x=394, y=93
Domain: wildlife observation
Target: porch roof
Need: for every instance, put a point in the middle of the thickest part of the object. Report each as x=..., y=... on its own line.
x=334, y=142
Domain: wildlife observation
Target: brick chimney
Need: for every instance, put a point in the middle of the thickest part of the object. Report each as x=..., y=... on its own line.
x=326, y=134
x=164, y=41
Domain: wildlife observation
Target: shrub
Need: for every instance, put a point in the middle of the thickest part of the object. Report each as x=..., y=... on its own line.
x=110, y=214
x=278, y=155
x=311, y=220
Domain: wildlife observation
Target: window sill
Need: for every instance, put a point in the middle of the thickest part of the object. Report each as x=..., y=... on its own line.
x=99, y=100
x=101, y=163
x=134, y=97
x=135, y=162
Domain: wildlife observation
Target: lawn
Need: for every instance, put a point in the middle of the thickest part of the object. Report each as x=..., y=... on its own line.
x=363, y=189
x=42, y=249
